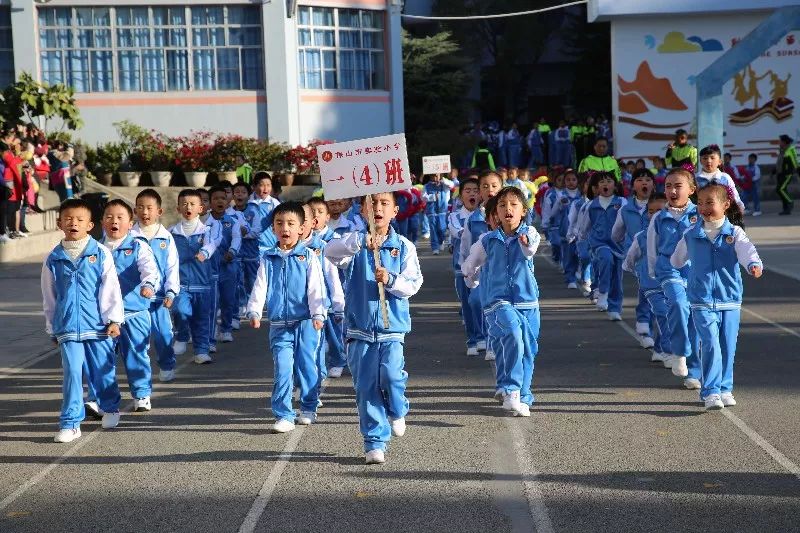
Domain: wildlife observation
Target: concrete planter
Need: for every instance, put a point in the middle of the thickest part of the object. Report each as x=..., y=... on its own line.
x=161, y=178
x=130, y=179
x=196, y=179
x=227, y=175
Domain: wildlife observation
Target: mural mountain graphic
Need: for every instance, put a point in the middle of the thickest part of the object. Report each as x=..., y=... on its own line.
x=647, y=89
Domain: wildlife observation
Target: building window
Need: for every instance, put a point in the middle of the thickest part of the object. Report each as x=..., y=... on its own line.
x=7, y=76
x=340, y=48
x=152, y=49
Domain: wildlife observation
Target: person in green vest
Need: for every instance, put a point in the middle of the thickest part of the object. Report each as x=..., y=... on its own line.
x=600, y=161
x=680, y=152
x=785, y=168
x=544, y=131
x=482, y=159
x=244, y=172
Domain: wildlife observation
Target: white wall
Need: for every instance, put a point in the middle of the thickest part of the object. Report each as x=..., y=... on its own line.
x=344, y=121
x=640, y=40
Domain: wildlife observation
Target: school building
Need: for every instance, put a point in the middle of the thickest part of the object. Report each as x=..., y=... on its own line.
x=291, y=71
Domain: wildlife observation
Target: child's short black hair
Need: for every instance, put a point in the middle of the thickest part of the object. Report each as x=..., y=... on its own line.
x=217, y=188
x=711, y=149
x=733, y=213
x=487, y=174
x=728, y=154
x=362, y=199
x=754, y=157
x=491, y=206
x=189, y=192
x=74, y=203
x=597, y=177
x=225, y=184
x=657, y=196
x=261, y=175
x=680, y=132
x=201, y=191
x=468, y=181
x=119, y=203
x=294, y=208
x=641, y=173
x=317, y=200
x=243, y=184
x=150, y=193
x=512, y=191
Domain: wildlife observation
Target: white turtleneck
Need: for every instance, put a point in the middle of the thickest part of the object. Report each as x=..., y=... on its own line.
x=112, y=244
x=190, y=226
x=713, y=227
x=677, y=212
x=640, y=204
x=605, y=201
x=74, y=249
x=149, y=231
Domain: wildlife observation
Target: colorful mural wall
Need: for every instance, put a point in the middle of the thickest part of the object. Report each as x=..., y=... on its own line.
x=655, y=63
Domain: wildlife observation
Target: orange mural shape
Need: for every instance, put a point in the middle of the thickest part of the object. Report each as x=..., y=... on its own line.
x=657, y=92
x=632, y=104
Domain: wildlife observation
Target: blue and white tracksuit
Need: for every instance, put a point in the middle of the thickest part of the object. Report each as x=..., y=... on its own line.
x=703, y=178
x=136, y=269
x=473, y=318
x=632, y=219
x=291, y=284
x=636, y=263
x=715, y=296
x=374, y=352
x=258, y=216
x=192, y=307
x=437, y=196
x=510, y=296
x=166, y=255
x=607, y=253
x=560, y=220
x=474, y=226
x=230, y=240
x=331, y=352
x=663, y=234
x=576, y=212
x=81, y=298
x=551, y=230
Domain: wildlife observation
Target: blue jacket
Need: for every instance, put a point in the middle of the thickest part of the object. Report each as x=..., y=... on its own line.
x=601, y=222
x=166, y=255
x=636, y=262
x=663, y=235
x=291, y=285
x=229, y=235
x=136, y=268
x=474, y=227
x=633, y=221
x=562, y=216
x=81, y=298
x=714, y=277
x=362, y=310
x=196, y=276
x=437, y=196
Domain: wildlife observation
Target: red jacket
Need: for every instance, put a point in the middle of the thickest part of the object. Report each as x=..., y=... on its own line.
x=12, y=175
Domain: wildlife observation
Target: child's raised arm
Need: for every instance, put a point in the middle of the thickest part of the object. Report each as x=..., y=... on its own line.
x=652, y=247
x=172, y=281
x=258, y=295
x=315, y=291
x=681, y=254
x=110, y=297
x=341, y=251
x=633, y=255
x=236, y=237
x=48, y=297
x=407, y=282
x=529, y=242
x=746, y=253
x=618, y=230
x=473, y=262
x=148, y=271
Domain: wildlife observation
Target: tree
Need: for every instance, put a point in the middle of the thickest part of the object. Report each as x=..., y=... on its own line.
x=435, y=94
x=30, y=101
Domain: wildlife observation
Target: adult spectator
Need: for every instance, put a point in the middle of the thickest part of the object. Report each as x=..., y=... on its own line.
x=785, y=169
x=600, y=161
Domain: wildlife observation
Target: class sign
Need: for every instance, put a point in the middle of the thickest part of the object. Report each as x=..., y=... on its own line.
x=366, y=166
x=436, y=164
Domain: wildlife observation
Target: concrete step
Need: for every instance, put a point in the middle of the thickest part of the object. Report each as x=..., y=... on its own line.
x=38, y=243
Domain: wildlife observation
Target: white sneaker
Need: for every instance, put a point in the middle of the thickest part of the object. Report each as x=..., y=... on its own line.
x=643, y=328
x=500, y=395
x=669, y=360
x=746, y=212
x=142, y=404
x=691, y=383
x=472, y=351
x=613, y=316
x=224, y=337
x=242, y=313
x=202, y=359
x=93, y=410
x=727, y=399
x=319, y=403
x=426, y=235
x=572, y=285
x=511, y=401
x=110, y=420
x=282, y=426
x=212, y=348
x=646, y=341
x=335, y=372
x=489, y=356
x=714, y=403
x=6, y=238
x=679, y=367
x=375, y=457
x=756, y=213
x=306, y=418
x=179, y=347
x=67, y=435
x=398, y=426
x=602, y=301
x=435, y=252
x=165, y=376
x=657, y=357
x=586, y=289
x=235, y=324
x=481, y=346
x=524, y=410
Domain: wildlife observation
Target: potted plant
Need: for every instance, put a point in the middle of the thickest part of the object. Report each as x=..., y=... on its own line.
x=228, y=153
x=157, y=153
x=302, y=161
x=192, y=155
x=108, y=159
x=131, y=139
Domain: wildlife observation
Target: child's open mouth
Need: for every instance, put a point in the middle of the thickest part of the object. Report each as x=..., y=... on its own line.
x=471, y=201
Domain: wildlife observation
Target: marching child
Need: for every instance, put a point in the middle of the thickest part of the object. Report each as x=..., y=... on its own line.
x=290, y=282
x=138, y=280
x=636, y=263
x=226, y=261
x=560, y=219
x=192, y=309
x=339, y=222
x=83, y=311
x=710, y=162
x=375, y=353
x=632, y=219
x=665, y=230
x=148, y=212
x=257, y=216
x=471, y=315
x=716, y=248
x=596, y=225
x=754, y=194
x=437, y=196
x=510, y=296
x=551, y=197
x=584, y=272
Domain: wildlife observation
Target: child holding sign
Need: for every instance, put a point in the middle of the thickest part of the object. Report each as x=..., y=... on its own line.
x=375, y=352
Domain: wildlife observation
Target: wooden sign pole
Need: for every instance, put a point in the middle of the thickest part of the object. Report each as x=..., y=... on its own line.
x=376, y=254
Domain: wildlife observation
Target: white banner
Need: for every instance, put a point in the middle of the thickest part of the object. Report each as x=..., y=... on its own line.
x=436, y=164
x=366, y=166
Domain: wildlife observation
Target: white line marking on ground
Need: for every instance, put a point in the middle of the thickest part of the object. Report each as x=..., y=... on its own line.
x=772, y=323
x=271, y=483
x=779, y=458
x=7, y=372
x=783, y=272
